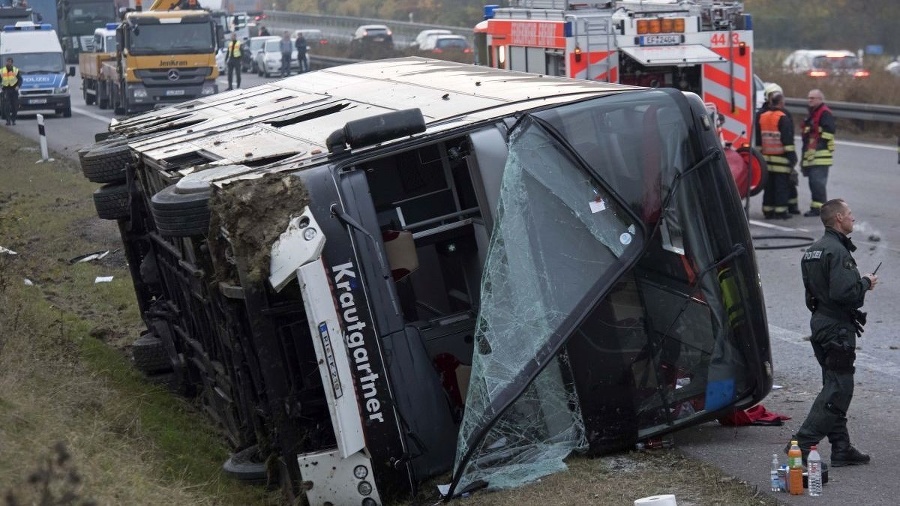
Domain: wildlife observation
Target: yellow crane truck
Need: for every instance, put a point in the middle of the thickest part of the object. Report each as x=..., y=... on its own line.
x=163, y=55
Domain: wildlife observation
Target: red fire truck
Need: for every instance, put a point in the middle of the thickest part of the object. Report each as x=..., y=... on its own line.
x=704, y=47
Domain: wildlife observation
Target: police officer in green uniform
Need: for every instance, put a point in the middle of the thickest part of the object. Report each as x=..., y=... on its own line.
x=834, y=293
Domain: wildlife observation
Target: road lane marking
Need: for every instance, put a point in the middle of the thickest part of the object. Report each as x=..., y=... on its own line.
x=89, y=114
x=858, y=242
x=772, y=226
x=866, y=145
x=864, y=360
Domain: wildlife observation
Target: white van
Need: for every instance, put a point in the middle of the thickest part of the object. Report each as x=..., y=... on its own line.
x=36, y=52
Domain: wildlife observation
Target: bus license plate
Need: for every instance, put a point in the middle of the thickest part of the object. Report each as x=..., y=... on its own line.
x=171, y=93
x=660, y=40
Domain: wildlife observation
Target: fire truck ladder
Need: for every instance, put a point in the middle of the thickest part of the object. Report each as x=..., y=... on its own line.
x=598, y=35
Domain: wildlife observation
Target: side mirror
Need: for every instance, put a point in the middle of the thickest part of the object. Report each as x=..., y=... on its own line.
x=72, y=71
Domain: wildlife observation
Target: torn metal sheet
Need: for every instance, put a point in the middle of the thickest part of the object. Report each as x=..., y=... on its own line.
x=89, y=257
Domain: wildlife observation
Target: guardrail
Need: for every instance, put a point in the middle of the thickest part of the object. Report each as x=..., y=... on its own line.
x=846, y=110
x=850, y=110
x=342, y=27
x=317, y=62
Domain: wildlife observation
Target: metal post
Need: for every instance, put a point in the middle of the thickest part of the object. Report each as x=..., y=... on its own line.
x=42, y=135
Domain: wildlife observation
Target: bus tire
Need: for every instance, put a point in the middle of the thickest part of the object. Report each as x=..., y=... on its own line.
x=179, y=213
x=111, y=202
x=106, y=164
x=150, y=355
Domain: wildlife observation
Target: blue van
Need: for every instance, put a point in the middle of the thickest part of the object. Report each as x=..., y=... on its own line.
x=36, y=52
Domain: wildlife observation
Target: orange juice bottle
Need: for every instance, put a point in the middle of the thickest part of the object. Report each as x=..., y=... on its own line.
x=795, y=469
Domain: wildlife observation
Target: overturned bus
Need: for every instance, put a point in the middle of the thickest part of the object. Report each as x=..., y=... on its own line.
x=379, y=273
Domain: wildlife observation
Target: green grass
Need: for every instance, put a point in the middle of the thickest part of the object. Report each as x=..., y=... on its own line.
x=65, y=374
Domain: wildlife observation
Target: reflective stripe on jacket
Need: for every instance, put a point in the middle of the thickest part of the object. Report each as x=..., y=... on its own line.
x=9, y=77
x=818, y=137
x=776, y=138
x=234, y=49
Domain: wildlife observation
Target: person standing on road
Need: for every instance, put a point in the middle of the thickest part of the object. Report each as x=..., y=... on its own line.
x=300, y=43
x=11, y=81
x=818, y=147
x=263, y=31
x=834, y=293
x=286, y=48
x=776, y=141
x=233, y=59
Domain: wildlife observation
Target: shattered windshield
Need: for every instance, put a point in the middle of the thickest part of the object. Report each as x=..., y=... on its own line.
x=559, y=240
x=603, y=322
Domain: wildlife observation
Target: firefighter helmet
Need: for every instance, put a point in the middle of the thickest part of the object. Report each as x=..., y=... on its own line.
x=771, y=88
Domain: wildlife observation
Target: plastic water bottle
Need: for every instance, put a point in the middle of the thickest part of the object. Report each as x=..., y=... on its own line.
x=776, y=482
x=814, y=468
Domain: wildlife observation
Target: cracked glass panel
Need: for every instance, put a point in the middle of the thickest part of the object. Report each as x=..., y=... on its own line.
x=559, y=241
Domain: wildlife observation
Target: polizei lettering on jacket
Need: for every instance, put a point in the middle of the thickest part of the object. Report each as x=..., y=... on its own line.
x=355, y=337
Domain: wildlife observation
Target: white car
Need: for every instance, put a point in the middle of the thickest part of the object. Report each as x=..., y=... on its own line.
x=449, y=44
x=893, y=67
x=424, y=35
x=825, y=63
x=268, y=60
x=250, y=49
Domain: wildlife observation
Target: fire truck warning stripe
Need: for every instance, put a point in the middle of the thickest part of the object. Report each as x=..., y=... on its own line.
x=740, y=72
x=723, y=93
x=600, y=64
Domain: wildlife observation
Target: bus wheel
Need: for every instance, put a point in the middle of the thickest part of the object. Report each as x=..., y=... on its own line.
x=111, y=202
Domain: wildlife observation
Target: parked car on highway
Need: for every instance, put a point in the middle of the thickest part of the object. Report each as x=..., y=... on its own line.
x=268, y=60
x=424, y=35
x=893, y=67
x=825, y=63
x=314, y=38
x=371, y=41
x=446, y=44
x=251, y=48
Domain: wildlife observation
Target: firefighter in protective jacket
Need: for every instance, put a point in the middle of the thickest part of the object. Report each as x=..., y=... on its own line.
x=818, y=148
x=834, y=293
x=776, y=141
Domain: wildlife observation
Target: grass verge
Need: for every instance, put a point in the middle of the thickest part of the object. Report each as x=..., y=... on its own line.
x=78, y=425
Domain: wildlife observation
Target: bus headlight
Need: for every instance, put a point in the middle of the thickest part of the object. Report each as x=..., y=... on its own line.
x=364, y=488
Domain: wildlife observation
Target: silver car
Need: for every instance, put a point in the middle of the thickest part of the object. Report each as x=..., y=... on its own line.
x=251, y=48
x=268, y=60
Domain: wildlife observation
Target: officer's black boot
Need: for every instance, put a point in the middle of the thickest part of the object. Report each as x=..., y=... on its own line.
x=844, y=454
